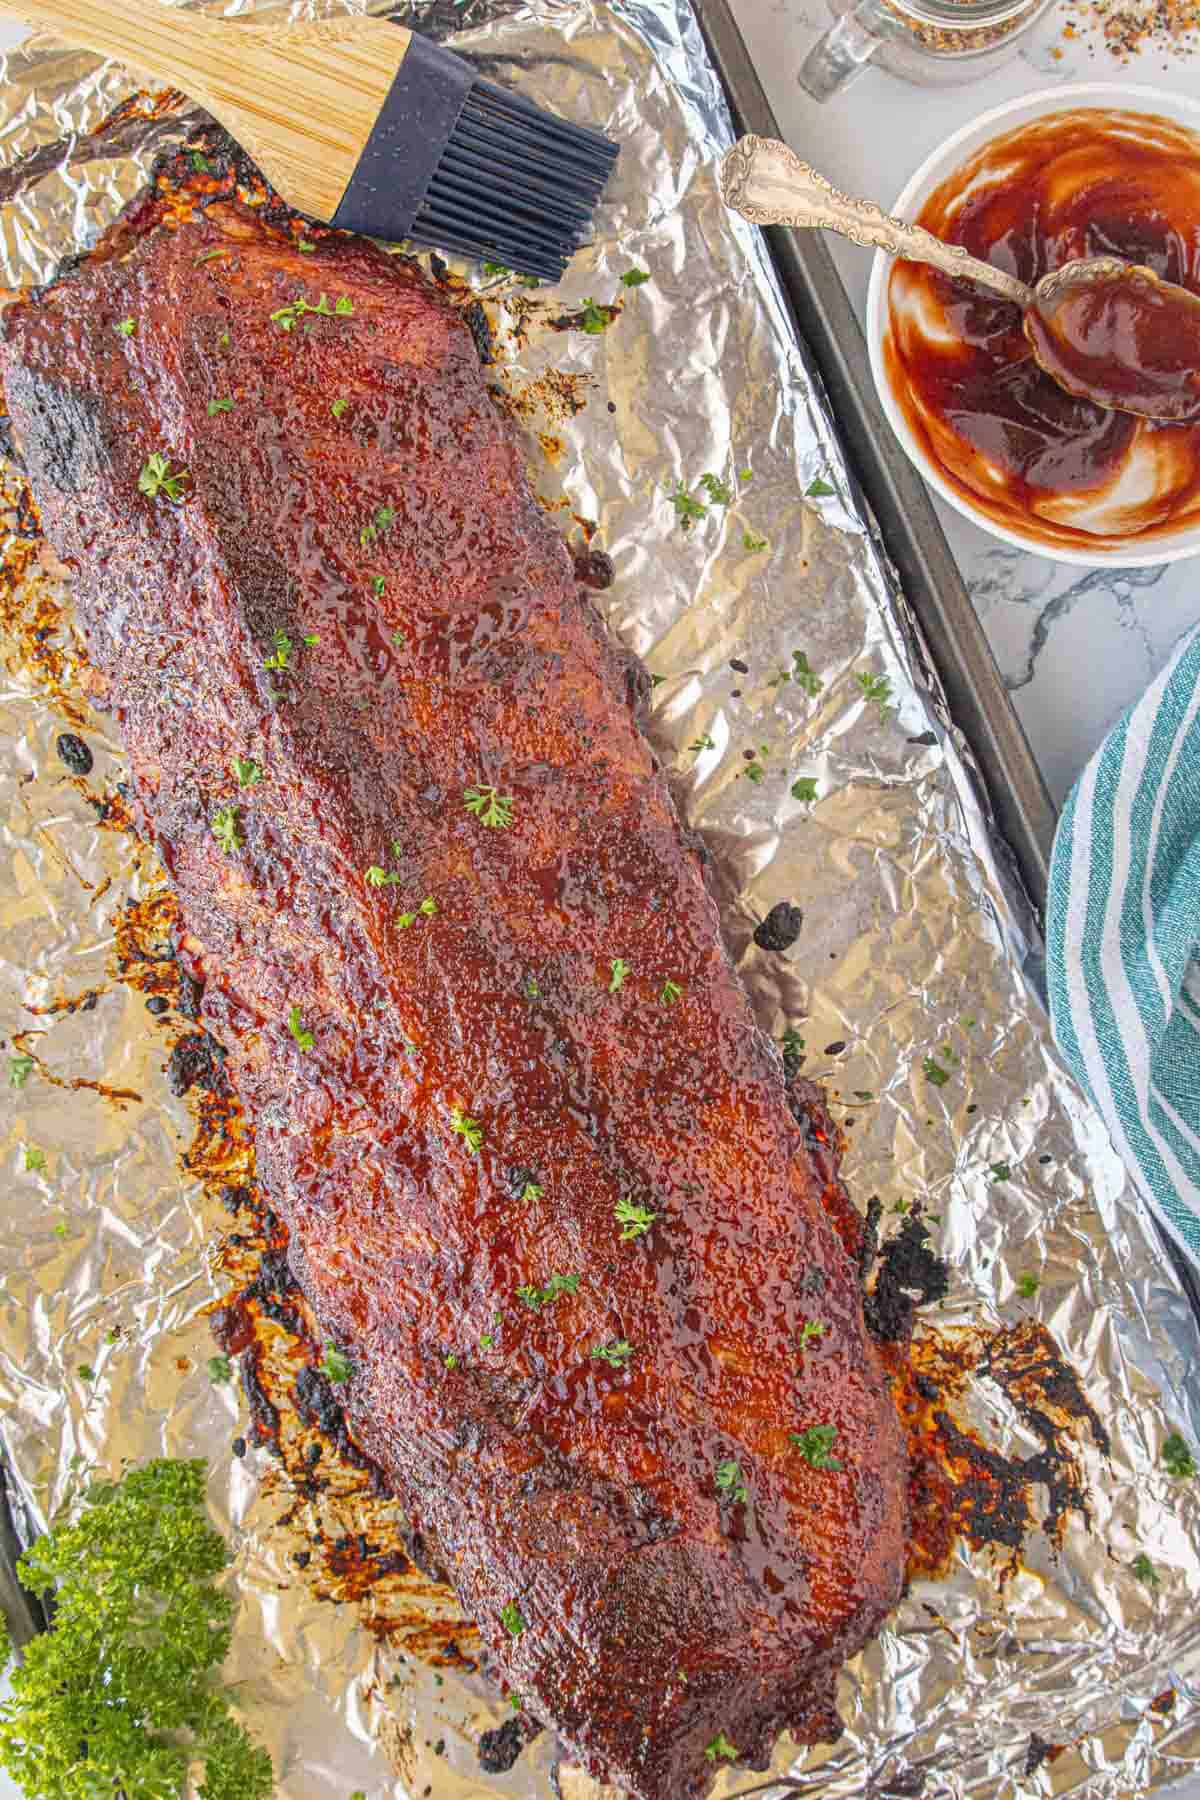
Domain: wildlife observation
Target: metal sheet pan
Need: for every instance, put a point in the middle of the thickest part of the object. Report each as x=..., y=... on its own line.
x=928, y=580
x=928, y=577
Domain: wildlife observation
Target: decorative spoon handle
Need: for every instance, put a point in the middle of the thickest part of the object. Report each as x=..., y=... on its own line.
x=769, y=185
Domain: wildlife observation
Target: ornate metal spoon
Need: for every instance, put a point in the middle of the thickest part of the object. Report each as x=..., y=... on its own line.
x=1106, y=330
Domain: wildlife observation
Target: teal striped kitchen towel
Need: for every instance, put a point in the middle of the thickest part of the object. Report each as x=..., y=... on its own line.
x=1123, y=940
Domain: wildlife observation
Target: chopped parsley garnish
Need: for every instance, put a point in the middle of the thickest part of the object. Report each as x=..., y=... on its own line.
x=220, y=1368
x=126, y=328
x=812, y=1328
x=751, y=542
x=535, y=1297
x=1028, y=1285
x=19, y=1070
x=247, y=771
x=377, y=876
x=310, y=638
x=335, y=1367
x=718, y=491
x=1177, y=1458
x=702, y=743
x=338, y=407
x=620, y=970
x=303, y=1037
x=470, y=1130
x=1000, y=1171
x=490, y=806
x=595, y=319
x=119, y=1696
x=633, y=1218
x=200, y=163
x=819, y=490
x=383, y=518
x=875, y=687
x=531, y=1191
x=495, y=268
x=635, y=278
x=669, y=993
x=426, y=910
x=730, y=1484
x=755, y=772
x=511, y=1619
x=34, y=1159
x=278, y=658
x=219, y=406
x=934, y=1072
x=805, y=789
x=61, y=1229
x=226, y=829
x=720, y=1746
x=687, y=508
x=398, y=637
x=1145, y=1570
x=616, y=1354
x=803, y=675
x=451, y=1361
x=85, y=1372
x=287, y=316
x=532, y=990
x=378, y=584
x=815, y=1445
x=306, y=245
x=792, y=1044
x=156, y=478
x=224, y=340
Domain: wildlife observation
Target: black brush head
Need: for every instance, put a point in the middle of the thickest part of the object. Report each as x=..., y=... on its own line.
x=460, y=164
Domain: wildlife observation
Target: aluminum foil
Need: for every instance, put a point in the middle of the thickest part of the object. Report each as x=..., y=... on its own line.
x=1047, y=1667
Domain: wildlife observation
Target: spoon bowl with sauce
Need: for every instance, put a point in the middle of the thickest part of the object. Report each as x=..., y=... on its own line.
x=1106, y=330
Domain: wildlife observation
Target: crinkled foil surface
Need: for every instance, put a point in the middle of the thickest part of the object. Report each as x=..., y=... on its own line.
x=1050, y=1671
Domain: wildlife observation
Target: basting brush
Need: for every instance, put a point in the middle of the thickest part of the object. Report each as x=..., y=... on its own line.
x=360, y=122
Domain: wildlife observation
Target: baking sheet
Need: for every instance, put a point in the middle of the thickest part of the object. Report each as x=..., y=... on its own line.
x=1036, y=1672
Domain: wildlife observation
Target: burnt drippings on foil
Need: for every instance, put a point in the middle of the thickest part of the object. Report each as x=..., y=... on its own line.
x=962, y=1488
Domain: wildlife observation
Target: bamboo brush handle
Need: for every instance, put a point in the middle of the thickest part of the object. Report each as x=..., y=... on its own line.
x=301, y=99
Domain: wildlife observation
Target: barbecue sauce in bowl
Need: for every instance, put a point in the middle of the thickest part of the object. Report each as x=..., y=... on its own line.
x=999, y=430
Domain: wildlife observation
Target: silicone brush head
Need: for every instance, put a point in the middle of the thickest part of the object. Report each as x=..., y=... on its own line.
x=461, y=164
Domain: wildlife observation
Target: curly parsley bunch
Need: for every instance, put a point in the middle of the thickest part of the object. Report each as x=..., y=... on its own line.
x=118, y=1698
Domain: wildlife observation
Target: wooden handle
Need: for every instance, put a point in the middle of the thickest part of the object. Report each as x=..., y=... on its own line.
x=301, y=99
x=166, y=43
x=769, y=185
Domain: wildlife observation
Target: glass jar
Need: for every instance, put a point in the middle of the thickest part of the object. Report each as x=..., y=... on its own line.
x=931, y=42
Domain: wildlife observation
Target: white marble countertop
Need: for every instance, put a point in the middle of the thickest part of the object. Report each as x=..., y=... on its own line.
x=1074, y=645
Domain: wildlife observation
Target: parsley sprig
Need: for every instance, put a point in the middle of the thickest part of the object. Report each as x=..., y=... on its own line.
x=287, y=316
x=537, y=1297
x=468, y=1129
x=156, y=478
x=616, y=1354
x=815, y=1445
x=491, y=807
x=720, y=1747
x=20, y=1068
x=303, y=1037
x=633, y=1218
x=226, y=828
x=121, y=1694
x=730, y=1483
x=1177, y=1458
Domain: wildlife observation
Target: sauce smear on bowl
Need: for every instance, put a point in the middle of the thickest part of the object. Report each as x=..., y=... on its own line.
x=1001, y=431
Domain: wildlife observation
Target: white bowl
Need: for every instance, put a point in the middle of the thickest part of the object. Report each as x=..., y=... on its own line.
x=934, y=170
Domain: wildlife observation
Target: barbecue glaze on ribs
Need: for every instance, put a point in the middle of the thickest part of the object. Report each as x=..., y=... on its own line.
x=482, y=1088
